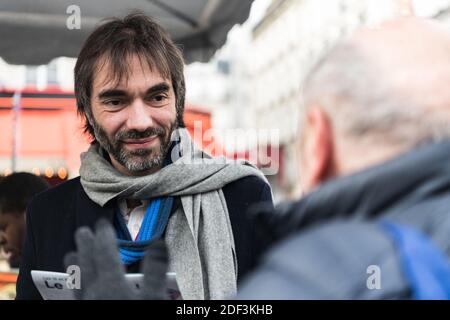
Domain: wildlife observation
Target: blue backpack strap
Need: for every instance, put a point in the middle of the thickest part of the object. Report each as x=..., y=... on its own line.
x=425, y=266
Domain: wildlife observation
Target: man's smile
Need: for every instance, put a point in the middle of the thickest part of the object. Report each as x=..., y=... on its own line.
x=141, y=143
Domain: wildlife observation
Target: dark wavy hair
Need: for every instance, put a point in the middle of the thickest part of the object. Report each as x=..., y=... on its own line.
x=17, y=190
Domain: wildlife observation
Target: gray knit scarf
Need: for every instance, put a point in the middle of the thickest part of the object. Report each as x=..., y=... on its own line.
x=199, y=235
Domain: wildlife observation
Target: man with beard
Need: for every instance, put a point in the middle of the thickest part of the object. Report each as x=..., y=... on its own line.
x=16, y=191
x=144, y=174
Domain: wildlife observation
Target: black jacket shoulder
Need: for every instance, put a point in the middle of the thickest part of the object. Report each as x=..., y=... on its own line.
x=61, y=194
x=241, y=195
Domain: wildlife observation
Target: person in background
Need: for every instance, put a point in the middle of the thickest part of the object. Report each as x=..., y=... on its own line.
x=16, y=192
x=374, y=148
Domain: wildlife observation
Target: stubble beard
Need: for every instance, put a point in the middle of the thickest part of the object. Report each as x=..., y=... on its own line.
x=139, y=160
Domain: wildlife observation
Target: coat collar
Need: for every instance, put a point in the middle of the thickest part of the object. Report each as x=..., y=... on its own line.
x=407, y=180
x=88, y=212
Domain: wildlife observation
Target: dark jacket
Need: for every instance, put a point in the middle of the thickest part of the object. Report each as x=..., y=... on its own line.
x=55, y=215
x=321, y=246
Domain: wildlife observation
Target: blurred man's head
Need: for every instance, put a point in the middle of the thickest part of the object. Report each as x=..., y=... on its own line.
x=129, y=85
x=377, y=94
x=16, y=191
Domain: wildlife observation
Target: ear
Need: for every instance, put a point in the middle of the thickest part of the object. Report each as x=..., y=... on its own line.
x=318, y=154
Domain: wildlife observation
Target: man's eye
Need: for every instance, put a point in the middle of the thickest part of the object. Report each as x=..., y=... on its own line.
x=113, y=103
x=159, y=98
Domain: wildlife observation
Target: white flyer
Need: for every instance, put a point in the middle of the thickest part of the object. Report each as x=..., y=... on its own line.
x=54, y=285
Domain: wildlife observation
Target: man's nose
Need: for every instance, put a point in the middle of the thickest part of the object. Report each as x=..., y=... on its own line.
x=139, y=116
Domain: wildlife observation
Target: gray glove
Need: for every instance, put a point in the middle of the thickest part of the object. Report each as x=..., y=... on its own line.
x=102, y=273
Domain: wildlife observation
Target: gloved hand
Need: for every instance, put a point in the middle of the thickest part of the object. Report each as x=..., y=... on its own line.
x=102, y=273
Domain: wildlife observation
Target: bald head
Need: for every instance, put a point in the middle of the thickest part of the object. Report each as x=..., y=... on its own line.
x=385, y=77
x=383, y=91
x=412, y=57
